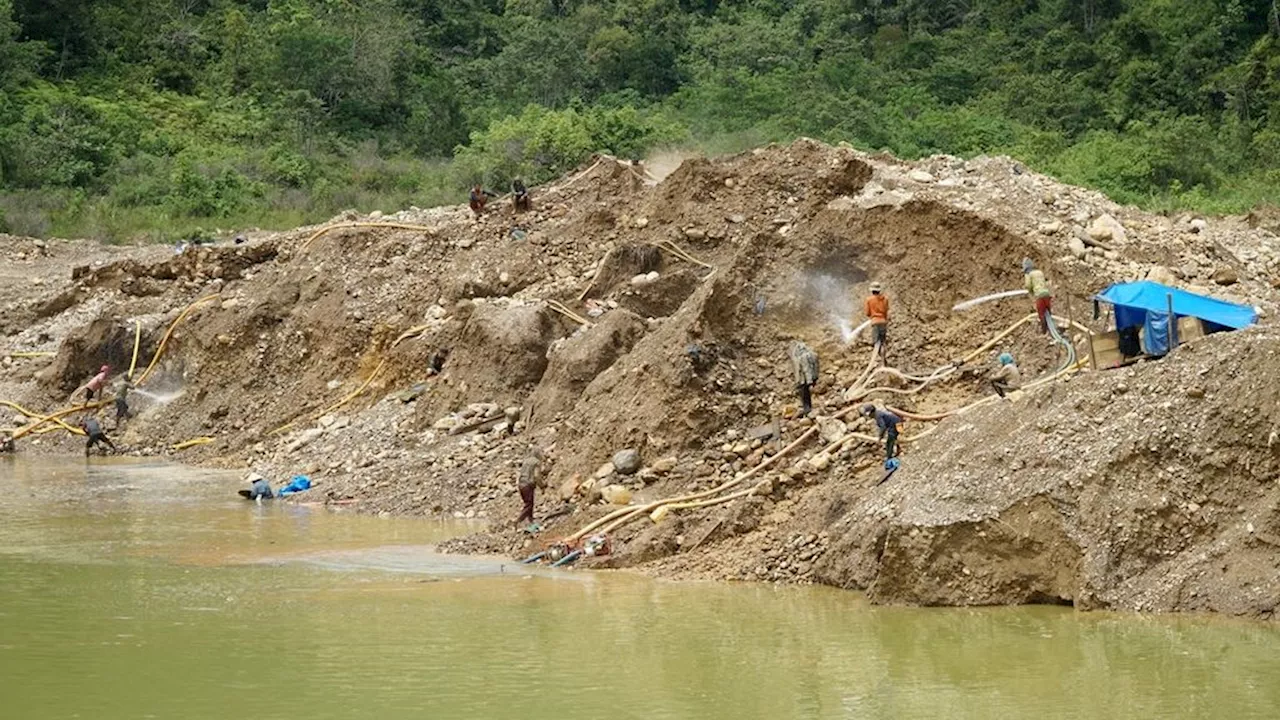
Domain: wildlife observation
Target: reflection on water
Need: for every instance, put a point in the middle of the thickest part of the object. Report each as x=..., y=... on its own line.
x=150, y=591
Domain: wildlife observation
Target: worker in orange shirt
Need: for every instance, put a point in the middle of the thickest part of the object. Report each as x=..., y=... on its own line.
x=877, y=308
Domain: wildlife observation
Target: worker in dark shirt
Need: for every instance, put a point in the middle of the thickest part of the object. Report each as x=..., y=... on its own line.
x=887, y=423
x=93, y=431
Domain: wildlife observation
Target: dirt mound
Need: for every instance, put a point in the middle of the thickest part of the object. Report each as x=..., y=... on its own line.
x=620, y=313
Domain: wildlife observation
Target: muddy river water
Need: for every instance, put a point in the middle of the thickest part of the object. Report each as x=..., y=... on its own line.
x=149, y=591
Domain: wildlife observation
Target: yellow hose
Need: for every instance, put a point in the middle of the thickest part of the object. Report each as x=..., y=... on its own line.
x=351, y=396
x=37, y=419
x=618, y=518
x=165, y=340
x=191, y=443
x=30, y=354
x=137, y=343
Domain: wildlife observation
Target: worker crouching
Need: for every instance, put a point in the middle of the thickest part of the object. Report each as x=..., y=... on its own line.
x=1006, y=377
x=887, y=423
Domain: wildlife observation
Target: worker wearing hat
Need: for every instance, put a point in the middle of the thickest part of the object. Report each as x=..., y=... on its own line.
x=877, y=309
x=259, y=488
x=887, y=424
x=1006, y=377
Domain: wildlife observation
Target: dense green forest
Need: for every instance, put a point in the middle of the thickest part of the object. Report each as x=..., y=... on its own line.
x=122, y=118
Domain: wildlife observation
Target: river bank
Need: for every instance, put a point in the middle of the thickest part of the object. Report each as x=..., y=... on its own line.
x=629, y=312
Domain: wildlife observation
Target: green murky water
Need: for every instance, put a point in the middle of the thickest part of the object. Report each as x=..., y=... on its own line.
x=134, y=591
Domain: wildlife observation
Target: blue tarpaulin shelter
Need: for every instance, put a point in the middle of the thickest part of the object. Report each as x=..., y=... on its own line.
x=1146, y=304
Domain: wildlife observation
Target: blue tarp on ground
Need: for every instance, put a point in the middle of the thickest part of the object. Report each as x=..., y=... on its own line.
x=1146, y=303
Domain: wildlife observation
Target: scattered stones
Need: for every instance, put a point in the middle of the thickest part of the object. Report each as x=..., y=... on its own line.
x=921, y=176
x=1107, y=228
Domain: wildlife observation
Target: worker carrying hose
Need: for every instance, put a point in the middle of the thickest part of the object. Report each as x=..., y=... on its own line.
x=528, y=481
x=96, y=384
x=804, y=369
x=1040, y=292
x=520, y=196
x=122, y=402
x=887, y=422
x=877, y=309
x=1006, y=377
x=95, y=435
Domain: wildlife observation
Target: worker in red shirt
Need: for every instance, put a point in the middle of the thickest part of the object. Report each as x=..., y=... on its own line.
x=877, y=309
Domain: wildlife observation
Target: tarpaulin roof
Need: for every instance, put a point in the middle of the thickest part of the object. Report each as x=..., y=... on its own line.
x=1154, y=297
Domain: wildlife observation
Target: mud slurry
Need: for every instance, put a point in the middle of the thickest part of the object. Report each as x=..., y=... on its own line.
x=1077, y=492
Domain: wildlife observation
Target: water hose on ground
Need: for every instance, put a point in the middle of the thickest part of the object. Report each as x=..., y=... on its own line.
x=164, y=341
x=38, y=419
x=560, y=307
x=30, y=354
x=191, y=443
x=618, y=518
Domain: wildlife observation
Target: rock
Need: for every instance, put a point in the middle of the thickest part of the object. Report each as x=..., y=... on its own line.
x=1051, y=228
x=1195, y=393
x=569, y=487
x=921, y=176
x=604, y=471
x=737, y=219
x=40, y=244
x=627, y=462
x=1198, y=225
x=1226, y=275
x=644, y=279
x=436, y=312
x=641, y=222
x=303, y=439
x=616, y=495
x=1162, y=275
x=1077, y=248
x=694, y=233
x=230, y=304
x=831, y=429
x=664, y=465
x=1107, y=228
x=729, y=182
x=445, y=423
x=18, y=420
x=327, y=421
x=820, y=462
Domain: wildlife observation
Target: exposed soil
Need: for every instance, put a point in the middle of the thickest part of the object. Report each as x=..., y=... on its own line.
x=1150, y=488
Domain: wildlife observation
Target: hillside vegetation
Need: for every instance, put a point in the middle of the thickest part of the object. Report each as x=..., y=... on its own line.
x=121, y=118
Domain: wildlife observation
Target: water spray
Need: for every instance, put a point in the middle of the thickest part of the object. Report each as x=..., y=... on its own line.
x=847, y=331
x=960, y=307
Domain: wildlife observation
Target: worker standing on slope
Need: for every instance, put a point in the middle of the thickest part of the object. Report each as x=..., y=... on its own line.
x=122, y=402
x=804, y=370
x=887, y=423
x=877, y=309
x=1040, y=292
x=528, y=481
x=96, y=383
x=1007, y=377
